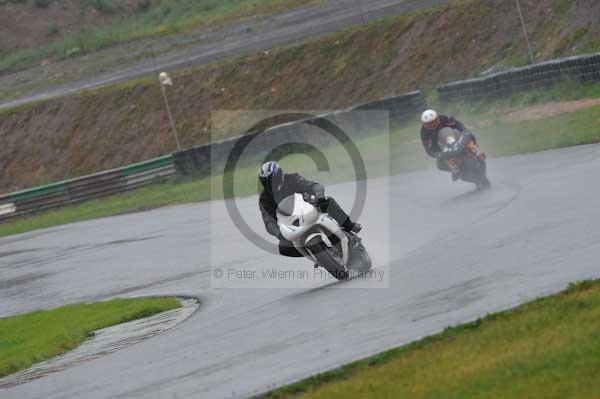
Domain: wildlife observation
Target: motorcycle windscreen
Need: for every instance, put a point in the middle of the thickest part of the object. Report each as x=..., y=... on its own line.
x=447, y=136
x=286, y=207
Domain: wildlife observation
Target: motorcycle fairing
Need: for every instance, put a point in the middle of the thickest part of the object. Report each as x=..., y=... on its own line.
x=300, y=222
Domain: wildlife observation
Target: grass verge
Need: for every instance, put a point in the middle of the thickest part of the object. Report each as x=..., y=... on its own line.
x=33, y=337
x=174, y=191
x=496, y=136
x=544, y=349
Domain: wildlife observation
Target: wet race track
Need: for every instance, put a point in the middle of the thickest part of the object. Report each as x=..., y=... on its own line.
x=455, y=255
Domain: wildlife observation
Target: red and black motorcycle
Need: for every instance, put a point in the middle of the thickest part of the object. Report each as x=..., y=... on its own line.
x=461, y=154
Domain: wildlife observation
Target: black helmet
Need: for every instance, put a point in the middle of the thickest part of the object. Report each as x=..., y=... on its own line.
x=271, y=176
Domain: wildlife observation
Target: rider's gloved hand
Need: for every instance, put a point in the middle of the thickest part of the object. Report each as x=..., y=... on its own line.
x=310, y=198
x=322, y=203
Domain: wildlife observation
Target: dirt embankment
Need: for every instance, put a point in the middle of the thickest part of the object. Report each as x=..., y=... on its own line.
x=126, y=123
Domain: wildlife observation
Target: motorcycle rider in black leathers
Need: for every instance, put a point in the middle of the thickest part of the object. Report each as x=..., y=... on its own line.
x=277, y=186
x=432, y=124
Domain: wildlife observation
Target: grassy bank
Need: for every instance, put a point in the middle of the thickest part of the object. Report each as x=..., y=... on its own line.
x=33, y=337
x=150, y=19
x=497, y=136
x=544, y=349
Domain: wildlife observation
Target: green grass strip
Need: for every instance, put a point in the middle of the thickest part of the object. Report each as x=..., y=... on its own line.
x=33, y=337
x=175, y=191
x=548, y=348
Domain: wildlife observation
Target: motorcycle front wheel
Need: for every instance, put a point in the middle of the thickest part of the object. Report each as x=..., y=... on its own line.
x=326, y=258
x=474, y=171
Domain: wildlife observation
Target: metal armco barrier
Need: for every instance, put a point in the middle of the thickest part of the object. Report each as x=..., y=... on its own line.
x=193, y=161
x=503, y=84
x=86, y=187
x=197, y=161
x=402, y=109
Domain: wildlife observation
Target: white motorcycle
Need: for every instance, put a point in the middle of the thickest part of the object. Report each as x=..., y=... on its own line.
x=319, y=238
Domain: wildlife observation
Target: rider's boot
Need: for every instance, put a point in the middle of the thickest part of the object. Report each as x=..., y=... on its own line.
x=455, y=173
x=352, y=227
x=484, y=185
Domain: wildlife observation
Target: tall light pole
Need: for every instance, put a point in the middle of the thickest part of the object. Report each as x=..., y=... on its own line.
x=165, y=80
x=531, y=58
x=360, y=9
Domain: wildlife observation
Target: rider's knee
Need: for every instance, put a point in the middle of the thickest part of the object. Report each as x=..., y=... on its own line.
x=286, y=248
x=329, y=201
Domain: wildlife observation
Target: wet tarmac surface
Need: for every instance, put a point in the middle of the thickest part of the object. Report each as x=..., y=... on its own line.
x=456, y=254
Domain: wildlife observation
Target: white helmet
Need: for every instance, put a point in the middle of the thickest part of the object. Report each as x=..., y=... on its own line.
x=430, y=119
